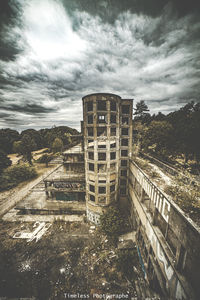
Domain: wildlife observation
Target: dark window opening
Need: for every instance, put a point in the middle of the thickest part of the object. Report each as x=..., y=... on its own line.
x=112, y=181
x=124, y=142
x=113, y=155
x=91, y=167
x=91, y=144
x=101, y=105
x=101, y=146
x=112, y=118
x=125, y=120
x=102, y=181
x=124, y=173
x=90, y=119
x=125, y=109
x=90, y=131
x=102, y=189
x=102, y=168
x=92, y=198
x=113, y=131
x=112, y=105
x=123, y=182
x=91, y=155
x=102, y=156
x=101, y=131
x=124, y=152
x=102, y=199
x=91, y=187
x=123, y=191
x=112, y=167
x=101, y=119
x=124, y=163
x=113, y=145
x=90, y=106
x=124, y=131
x=112, y=188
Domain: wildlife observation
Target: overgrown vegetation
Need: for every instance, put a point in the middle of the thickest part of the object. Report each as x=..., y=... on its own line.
x=13, y=175
x=126, y=259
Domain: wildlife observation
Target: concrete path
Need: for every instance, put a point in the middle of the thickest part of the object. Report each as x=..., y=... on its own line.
x=13, y=199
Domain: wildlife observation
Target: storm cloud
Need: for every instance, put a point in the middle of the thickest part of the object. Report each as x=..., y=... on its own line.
x=53, y=53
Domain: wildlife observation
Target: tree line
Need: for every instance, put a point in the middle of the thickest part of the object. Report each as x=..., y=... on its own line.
x=171, y=135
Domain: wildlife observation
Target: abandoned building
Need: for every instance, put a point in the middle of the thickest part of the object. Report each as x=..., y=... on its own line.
x=101, y=171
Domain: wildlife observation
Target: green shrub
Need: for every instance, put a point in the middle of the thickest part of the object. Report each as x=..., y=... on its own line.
x=13, y=175
x=126, y=260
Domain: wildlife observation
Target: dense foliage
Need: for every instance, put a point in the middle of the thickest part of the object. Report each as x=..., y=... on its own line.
x=176, y=133
x=4, y=161
x=13, y=175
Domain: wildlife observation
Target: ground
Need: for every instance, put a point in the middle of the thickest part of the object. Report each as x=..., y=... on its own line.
x=69, y=258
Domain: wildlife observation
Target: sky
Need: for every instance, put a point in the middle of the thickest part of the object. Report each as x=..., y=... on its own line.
x=54, y=52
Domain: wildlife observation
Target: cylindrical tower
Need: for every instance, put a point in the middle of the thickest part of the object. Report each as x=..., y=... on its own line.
x=102, y=126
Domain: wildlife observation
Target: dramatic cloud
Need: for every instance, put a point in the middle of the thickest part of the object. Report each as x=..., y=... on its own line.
x=55, y=52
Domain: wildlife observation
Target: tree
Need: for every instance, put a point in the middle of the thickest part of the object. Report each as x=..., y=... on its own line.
x=4, y=161
x=7, y=137
x=26, y=146
x=141, y=110
x=17, y=147
x=57, y=145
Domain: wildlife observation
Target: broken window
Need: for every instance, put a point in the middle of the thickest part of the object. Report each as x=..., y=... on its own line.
x=112, y=118
x=124, y=131
x=91, y=144
x=101, y=105
x=102, y=189
x=125, y=109
x=124, y=152
x=91, y=187
x=102, y=180
x=113, y=145
x=101, y=119
x=113, y=155
x=91, y=155
x=101, y=146
x=90, y=131
x=92, y=198
x=112, y=188
x=90, y=119
x=102, y=168
x=91, y=167
x=124, y=173
x=125, y=120
x=90, y=106
x=124, y=163
x=102, y=156
x=101, y=131
x=124, y=142
x=102, y=199
x=113, y=131
x=112, y=105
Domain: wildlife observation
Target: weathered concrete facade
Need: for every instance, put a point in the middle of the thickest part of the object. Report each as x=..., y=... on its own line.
x=107, y=131
x=168, y=242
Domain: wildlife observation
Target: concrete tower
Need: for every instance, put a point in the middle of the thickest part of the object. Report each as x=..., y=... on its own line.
x=107, y=128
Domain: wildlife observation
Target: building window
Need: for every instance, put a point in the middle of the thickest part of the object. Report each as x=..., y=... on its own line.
x=102, y=146
x=112, y=167
x=101, y=131
x=101, y=105
x=125, y=120
x=102, y=200
x=102, y=156
x=91, y=167
x=124, y=142
x=124, y=131
x=125, y=109
x=102, y=189
x=101, y=119
x=112, y=188
x=124, y=163
x=113, y=145
x=123, y=182
x=113, y=155
x=112, y=105
x=102, y=180
x=90, y=131
x=91, y=144
x=123, y=191
x=91, y=187
x=91, y=155
x=124, y=152
x=124, y=173
x=113, y=131
x=112, y=118
x=102, y=168
x=90, y=119
x=90, y=106
x=92, y=198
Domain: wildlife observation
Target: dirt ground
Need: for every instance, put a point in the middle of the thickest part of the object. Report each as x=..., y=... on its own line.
x=70, y=258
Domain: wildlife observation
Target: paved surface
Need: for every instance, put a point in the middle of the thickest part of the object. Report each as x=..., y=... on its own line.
x=13, y=199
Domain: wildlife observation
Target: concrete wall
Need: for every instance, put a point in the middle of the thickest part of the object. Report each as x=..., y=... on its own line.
x=168, y=241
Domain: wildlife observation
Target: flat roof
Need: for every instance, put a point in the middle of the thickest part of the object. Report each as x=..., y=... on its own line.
x=103, y=94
